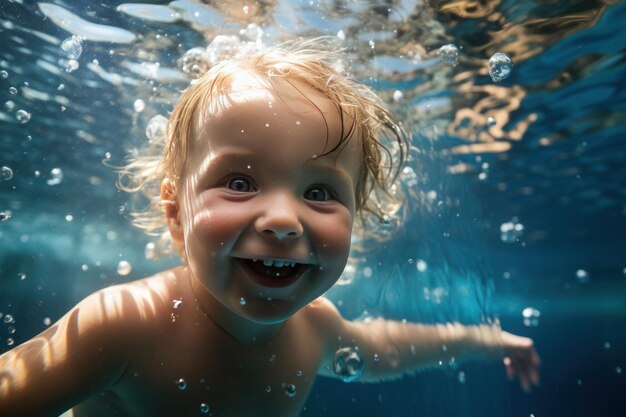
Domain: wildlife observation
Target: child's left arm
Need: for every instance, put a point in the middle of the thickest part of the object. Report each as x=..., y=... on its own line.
x=391, y=349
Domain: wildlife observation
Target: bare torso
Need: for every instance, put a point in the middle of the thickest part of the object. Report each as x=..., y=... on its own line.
x=184, y=361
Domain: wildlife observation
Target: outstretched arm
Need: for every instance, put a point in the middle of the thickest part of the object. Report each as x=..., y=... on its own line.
x=391, y=349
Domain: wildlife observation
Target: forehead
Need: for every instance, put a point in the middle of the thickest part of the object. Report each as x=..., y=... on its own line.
x=259, y=112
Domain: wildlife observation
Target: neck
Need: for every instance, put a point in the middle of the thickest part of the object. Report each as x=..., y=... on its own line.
x=239, y=328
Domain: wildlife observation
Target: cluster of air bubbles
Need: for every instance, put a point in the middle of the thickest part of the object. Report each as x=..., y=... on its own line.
x=73, y=47
x=6, y=173
x=290, y=390
x=56, y=176
x=510, y=232
x=484, y=171
x=500, y=66
x=22, y=116
x=348, y=364
x=124, y=268
x=531, y=316
x=449, y=54
x=194, y=62
x=156, y=131
x=5, y=215
x=582, y=276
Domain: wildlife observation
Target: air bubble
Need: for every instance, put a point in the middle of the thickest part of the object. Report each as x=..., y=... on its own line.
x=204, y=408
x=500, y=66
x=268, y=389
x=11, y=330
x=242, y=301
x=156, y=131
x=22, y=116
x=531, y=316
x=9, y=105
x=12, y=91
x=4, y=74
x=582, y=276
x=618, y=370
x=56, y=176
x=181, y=384
x=72, y=65
x=10, y=341
x=21, y=276
x=290, y=390
x=72, y=47
x=176, y=303
x=8, y=319
x=5, y=215
x=6, y=173
x=398, y=95
x=348, y=364
x=124, y=268
x=47, y=321
x=139, y=105
x=449, y=54
x=491, y=121
x=150, y=250
x=510, y=232
x=421, y=265
x=462, y=377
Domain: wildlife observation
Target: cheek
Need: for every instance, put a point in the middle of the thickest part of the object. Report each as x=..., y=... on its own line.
x=333, y=236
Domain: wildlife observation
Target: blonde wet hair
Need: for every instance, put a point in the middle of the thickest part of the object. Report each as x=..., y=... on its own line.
x=316, y=63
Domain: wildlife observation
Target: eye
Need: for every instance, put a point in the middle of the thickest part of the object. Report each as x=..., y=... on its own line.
x=240, y=184
x=318, y=193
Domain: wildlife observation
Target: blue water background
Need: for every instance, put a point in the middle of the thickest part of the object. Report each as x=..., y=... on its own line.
x=563, y=176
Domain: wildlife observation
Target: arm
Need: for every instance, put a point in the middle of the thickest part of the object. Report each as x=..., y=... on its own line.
x=76, y=357
x=391, y=349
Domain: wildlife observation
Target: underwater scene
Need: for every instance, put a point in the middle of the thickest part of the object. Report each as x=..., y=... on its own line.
x=515, y=184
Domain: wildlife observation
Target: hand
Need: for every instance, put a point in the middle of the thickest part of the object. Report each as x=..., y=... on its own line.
x=521, y=360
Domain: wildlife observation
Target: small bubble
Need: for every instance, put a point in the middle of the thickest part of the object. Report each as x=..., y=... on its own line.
x=21, y=276
x=273, y=358
x=462, y=377
x=245, y=9
x=9, y=105
x=8, y=319
x=449, y=54
x=372, y=44
x=398, y=95
x=531, y=316
x=4, y=74
x=72, y=65
x=376, y=357
x=47, y=321
x=181, y=384
x=347, y=364
x=367, y=272
x=22, y=116
x=298, y=373
x=56, y=176
x=500, y=66
x=5, y=215
x=156, y=131
x=582, y=276
x=176, y=303
x=242, y=301
x=268, y=389
x=139, y=105
x=84, y=267
x=150, y=250
x=511, y=232
x=72, y=47
x=421, y=265
x=61, y=87
x=618, y=370
x=491, y=121
x=69, y=218
x=204, y=408
x=124, y=268
x=12, y=91
x=6, y=173
x=11, y=330
x=290, y=390
x=607, y=345
x=10, y=341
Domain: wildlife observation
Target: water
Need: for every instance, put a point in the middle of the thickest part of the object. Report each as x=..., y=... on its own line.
x=542, y=149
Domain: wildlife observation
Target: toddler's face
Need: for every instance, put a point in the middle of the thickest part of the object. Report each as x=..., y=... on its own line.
x=266, y=226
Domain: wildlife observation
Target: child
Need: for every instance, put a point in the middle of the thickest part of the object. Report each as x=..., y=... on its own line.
x=271, y=159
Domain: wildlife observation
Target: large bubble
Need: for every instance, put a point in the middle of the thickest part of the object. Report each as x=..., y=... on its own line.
x=348, y=364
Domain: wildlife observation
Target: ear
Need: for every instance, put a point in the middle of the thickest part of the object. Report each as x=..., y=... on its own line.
x=172, y=210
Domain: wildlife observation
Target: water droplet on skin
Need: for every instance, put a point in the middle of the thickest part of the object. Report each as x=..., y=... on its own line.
x=6, y=173
x=500, y=66
x=347, y=364
x=124, y=268
x=181, y=384
x=22, y=116
x=290, y=390
x=449, y=54
x=204, y=408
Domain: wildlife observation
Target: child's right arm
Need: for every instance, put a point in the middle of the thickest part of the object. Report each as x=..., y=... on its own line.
x=76, y=357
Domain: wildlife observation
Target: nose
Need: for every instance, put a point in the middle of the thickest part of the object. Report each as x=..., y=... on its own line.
x=279, y=217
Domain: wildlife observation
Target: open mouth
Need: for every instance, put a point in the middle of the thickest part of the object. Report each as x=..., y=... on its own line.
x=273, y=272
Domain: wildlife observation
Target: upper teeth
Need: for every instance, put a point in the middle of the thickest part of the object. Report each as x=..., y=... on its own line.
x=276, y=262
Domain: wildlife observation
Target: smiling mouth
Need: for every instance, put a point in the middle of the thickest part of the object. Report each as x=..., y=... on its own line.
x=272, y=272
